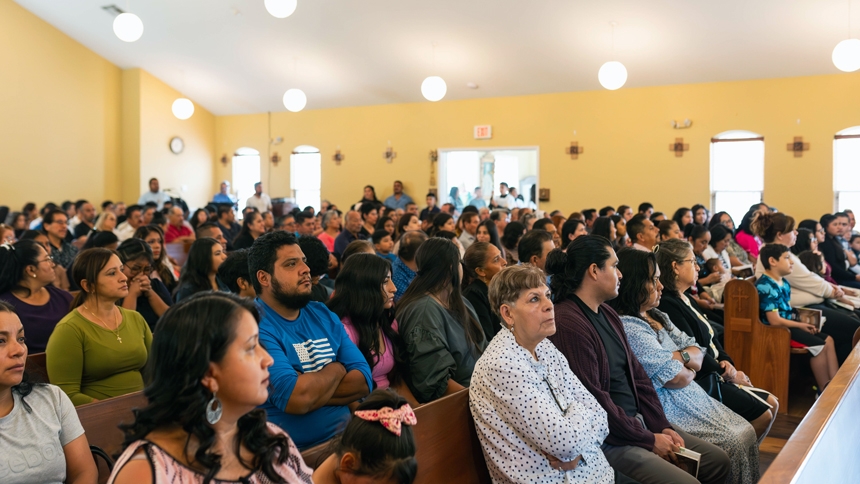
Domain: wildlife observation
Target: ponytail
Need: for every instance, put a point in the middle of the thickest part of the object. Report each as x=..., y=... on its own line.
x=581, y=254
x=13, y=260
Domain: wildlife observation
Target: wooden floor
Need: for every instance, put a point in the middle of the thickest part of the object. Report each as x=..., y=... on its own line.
x=801, y=397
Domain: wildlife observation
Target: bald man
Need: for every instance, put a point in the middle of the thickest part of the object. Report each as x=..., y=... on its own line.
x=177, y=231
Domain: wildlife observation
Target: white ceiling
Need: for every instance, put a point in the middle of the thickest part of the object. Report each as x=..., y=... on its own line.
x=232, y=57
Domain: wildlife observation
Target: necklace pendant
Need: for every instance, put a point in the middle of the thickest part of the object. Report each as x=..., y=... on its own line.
x=118, y=338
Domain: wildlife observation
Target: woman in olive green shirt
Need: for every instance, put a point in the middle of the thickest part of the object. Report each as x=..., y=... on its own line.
x=98, y=350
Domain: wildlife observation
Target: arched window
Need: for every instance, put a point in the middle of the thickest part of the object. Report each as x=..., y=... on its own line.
x=305, y=165
x=846, y=169
x=246, y=172
x=737, y=172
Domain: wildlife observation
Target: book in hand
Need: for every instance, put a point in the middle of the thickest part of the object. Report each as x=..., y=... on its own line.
x=688, y=461
x=811, y=316
x=743, y=272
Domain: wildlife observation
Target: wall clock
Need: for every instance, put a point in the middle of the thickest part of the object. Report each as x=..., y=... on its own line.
x=176, y=145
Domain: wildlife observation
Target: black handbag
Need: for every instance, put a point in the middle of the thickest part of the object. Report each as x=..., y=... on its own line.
x=711, y=383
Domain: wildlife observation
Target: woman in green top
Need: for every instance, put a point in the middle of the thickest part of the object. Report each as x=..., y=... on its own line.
x=98, y=350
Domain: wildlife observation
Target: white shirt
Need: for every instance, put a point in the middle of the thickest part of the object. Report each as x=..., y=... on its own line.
x=709, y=253
x=124, y=231
x=466, y=240
x=73, y=222
x=262, y=204
x=517, y=403
x=158, y=197
x=506, y=201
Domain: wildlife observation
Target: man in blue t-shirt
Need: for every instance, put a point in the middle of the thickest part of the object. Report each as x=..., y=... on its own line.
x=317, y=370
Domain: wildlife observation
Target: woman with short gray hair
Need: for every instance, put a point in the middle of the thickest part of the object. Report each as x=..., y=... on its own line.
x=535, y=420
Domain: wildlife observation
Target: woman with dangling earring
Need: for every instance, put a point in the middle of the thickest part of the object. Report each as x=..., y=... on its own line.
x=206, y=377
x=115, y=340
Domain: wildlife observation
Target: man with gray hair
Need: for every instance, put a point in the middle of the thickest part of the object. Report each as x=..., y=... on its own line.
x=177, y=231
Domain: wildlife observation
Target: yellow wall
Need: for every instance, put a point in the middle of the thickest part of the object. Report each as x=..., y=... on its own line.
x=626, y=136
x=59, y=115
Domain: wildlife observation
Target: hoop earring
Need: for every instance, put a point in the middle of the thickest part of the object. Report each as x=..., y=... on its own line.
x=213, y=415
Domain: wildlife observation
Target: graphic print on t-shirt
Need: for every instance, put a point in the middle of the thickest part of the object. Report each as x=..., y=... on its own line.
x=314, y=354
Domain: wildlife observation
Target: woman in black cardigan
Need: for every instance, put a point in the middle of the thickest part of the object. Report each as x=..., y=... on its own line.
x=834, y=253
x=482, y=262
x=678, y=273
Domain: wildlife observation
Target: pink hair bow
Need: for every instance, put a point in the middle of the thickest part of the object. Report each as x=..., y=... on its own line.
x=389, y=418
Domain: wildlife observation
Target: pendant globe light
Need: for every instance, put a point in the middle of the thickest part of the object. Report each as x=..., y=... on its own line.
x=612, y=75
x=295, y=100
x=280, y=8
x=846, y=54
x=434, y=88
x=128, y=27
x=183, y=108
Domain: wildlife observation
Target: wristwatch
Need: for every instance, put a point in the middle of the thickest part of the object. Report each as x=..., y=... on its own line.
x=685, y=356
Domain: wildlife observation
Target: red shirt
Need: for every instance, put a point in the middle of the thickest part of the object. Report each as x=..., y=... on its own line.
x=174, y=233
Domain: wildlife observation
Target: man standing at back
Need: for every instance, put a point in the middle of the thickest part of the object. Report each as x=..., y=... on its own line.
x=398, y=199
x=504, y=199
x=641, y=442
x=317, y=370
x=154, y=195
x=259, y=200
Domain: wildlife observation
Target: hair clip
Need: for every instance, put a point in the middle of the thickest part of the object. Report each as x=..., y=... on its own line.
x=389, y=418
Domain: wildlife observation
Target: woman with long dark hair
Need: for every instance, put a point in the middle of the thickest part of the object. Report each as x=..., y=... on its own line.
x=442, y=221
x=514, y=231
x=671, y=359
x=148, y=296
x=252, y=227
x=369, y=196
x=364, y=301
x=834, y=253
x=683, y=217
x=678, y=273
x=440, y=329
x=737, y=255
x=201, y=269
x=744, y=235
x=162, y=267
x=27, y=274
x=99, y=349
x=205, y=378
x=36, y=419
x=605, y=227
x=481, y=264
x=487, y=232
x=701, y=215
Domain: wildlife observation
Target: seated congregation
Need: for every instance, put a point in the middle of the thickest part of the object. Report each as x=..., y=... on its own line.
x=590, y=346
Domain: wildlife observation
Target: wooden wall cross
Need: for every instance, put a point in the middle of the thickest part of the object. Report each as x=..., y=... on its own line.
x=574, y=150
x=389, y=154
x=679, y=147
x=275, y=158
x=338, y=157
x=798, y=146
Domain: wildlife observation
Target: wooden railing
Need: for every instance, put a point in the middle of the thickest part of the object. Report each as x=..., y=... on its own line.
x=824, y=448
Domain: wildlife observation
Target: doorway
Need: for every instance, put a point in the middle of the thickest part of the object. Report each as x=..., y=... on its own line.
x=468, y=170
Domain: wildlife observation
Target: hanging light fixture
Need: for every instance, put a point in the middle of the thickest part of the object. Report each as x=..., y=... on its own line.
x=434, y=88
x=183, y=108
x=281, y=8
x=846, y=54
x=612, y=75
x=295, y=100
x=128, y=27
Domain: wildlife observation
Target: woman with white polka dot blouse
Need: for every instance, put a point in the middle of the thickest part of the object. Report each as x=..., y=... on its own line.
x=535, y=420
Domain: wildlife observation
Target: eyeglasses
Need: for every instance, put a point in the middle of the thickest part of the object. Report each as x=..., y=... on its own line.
x=46, y=259
x=691, y=261
x=139, y=270
x=552, y=389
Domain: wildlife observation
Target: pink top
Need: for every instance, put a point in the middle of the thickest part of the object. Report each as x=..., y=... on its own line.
x=166, y=470
x=383, y=365
x=749, y=243
x=328, y=240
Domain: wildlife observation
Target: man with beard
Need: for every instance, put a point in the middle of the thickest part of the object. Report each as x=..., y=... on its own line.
x=317, y=370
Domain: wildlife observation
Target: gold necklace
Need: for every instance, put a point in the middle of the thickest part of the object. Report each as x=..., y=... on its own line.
x=114, y=331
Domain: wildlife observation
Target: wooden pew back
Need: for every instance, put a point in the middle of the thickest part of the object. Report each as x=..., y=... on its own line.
x=36, y=367
x=101, y=423
x=763, y=352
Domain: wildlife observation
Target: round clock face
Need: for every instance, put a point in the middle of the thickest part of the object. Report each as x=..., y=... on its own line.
x=176, y=145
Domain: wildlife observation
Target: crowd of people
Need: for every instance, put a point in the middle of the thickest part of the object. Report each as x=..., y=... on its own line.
x=590, y=344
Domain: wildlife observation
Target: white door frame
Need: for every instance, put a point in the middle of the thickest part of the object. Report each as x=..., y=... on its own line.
x=442, y=169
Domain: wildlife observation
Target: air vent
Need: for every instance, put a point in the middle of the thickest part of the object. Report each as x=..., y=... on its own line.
x=113, y=10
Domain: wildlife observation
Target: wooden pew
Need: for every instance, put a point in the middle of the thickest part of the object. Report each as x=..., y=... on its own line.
x=763, y=352
x=36, y=367
x=447, y=443
x=101, y=419
x=823, y=449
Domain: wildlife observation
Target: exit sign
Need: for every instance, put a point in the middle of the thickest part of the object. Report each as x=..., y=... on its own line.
x=483, y=132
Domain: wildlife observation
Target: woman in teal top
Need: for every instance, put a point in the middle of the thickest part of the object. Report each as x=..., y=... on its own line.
x=99, y=349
